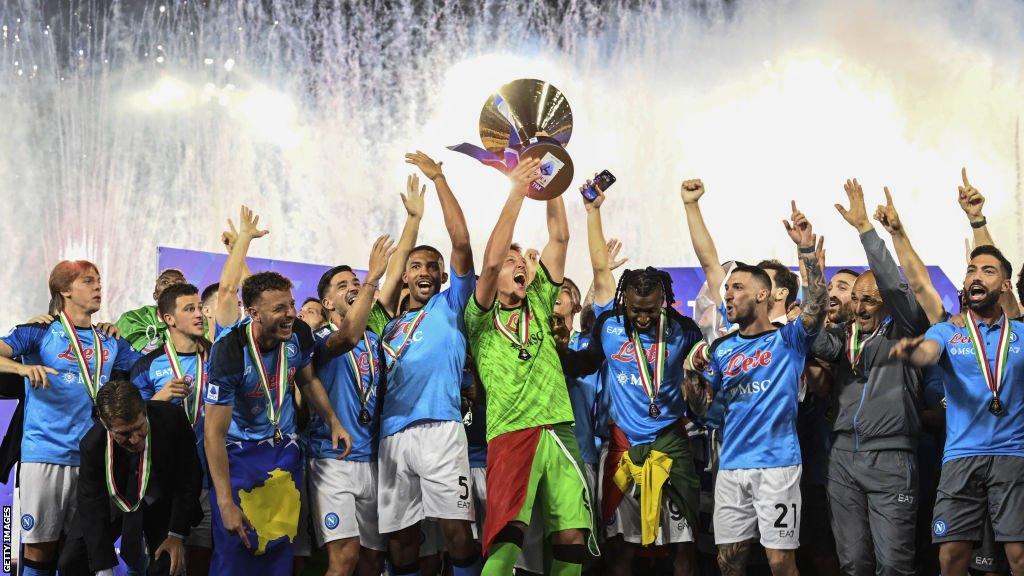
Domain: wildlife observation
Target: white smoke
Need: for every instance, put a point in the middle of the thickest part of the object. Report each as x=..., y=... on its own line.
x=129, y=128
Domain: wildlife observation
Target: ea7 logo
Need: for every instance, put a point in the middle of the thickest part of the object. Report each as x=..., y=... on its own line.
x=615, y=330
x=908, y=498
x=742, y=363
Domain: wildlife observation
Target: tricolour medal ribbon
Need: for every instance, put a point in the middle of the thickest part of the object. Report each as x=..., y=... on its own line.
x=993, y=380
x=145, y=467
x=274, y=405
x=91, y=379
x=392, y=354
x=194, y=401
x=651, y=382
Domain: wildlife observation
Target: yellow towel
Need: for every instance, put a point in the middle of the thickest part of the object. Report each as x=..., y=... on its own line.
x=650, y=478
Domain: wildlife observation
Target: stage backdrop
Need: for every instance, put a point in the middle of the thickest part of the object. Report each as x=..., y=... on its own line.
x=203, y=269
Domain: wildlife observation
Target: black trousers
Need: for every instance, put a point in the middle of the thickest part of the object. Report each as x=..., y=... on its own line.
x=74, y=555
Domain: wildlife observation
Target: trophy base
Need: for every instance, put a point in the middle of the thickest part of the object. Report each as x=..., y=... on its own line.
x=556, y=168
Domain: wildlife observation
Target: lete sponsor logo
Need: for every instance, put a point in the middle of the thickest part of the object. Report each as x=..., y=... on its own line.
x=741, y=363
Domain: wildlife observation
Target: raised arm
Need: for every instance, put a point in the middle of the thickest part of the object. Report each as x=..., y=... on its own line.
x=454, y=220
x=972, y=203
x=815, y=304
x=501, y=237
x=232, y=275
x=553, y=255
x=391, y=290
x=604, y=282
x=352, y=328
x=700, y=238
x=913, y=267
x=896, y=295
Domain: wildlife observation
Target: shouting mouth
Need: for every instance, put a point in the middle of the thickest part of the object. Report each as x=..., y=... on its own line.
x=977, y=292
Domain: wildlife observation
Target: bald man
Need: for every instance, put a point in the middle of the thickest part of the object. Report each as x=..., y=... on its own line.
x=872, y=473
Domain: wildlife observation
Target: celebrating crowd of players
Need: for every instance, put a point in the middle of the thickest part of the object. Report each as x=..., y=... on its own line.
x=394, y=423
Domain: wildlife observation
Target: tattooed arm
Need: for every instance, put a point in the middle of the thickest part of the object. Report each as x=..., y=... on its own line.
x=815, y=304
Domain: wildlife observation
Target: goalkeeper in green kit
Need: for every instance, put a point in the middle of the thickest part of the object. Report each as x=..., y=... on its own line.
x=532, y=454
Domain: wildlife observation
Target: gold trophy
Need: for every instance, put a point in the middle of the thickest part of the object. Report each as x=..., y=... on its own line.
x=527, y=118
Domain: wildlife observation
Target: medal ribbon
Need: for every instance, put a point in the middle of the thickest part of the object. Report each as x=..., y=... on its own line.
x=651, y=382
x=194, y=401
x=363, y=391
x=273, y=404
x=523, y=336
x=994, y=381
x=145, y=467
x=91, y=379
x=854, y=347
x=395, y=354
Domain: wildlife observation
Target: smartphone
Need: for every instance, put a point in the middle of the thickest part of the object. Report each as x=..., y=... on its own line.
x=602, y=181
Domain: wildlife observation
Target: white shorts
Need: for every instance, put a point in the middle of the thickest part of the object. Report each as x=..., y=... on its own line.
x=626, y=521
x=48, y=500
x=531, y=558
x=763, y=501
x=424, y=473
x=343, y=499
x=202, y=536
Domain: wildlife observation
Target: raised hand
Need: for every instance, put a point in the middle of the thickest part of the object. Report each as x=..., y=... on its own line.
x=413, y=196
x=595, y=204
x=691, y=191
x=524, y=174
x=425, y=163
x=971, y=201
x=249, y=224
x=614, y=246
x=819, y=252
x=887, y=215
x=799, y=228
x=380, y=254
x=229, y=236
x=857, y=214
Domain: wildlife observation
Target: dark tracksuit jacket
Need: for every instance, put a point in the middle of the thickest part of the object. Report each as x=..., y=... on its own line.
x=872, y=475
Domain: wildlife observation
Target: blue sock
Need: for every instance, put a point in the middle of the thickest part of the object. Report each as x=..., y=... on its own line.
x=462, y=569
x=27, y=570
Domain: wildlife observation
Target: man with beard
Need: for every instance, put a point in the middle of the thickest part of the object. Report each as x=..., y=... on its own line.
x=143, y=327
x=983, y=459
x=872, y=470
x=344, y=492
x=840, y=287
x=177, y=372
x=643, y=345
x=60, y=358
x=257, y=473
x=755, y=376
x=423, y=461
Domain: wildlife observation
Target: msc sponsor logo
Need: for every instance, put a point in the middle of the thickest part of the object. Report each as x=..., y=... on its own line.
x=753, y=387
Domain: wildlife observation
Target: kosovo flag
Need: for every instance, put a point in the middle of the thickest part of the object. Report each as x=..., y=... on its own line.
x=265, y=481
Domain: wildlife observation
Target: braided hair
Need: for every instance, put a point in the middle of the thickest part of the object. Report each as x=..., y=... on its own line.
x=643, y=282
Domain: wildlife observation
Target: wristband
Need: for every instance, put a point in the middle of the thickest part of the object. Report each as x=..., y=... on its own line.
x=807, y=249
x=436, y=177
x=372, y=284
x=980, y=223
